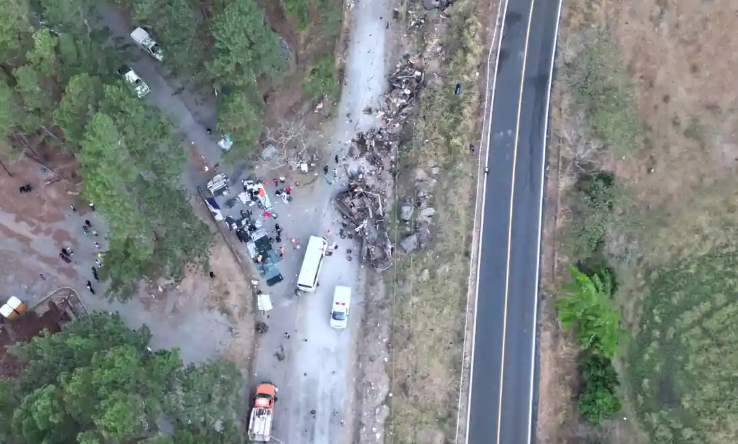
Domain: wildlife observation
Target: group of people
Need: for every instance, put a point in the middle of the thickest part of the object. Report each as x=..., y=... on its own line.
x=66, y=253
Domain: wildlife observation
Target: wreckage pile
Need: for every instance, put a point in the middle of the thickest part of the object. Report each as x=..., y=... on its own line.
x=364, y=217
x=361, y=204
x=405, y=84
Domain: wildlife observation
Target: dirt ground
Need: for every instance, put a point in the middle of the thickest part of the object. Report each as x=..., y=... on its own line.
x=36, y=225
x=680, y=57
x=286, y=97
x=229, y=293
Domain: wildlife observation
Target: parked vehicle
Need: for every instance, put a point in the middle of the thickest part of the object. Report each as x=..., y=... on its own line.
x=130, y=76
x=341, y=305
x=262, y=413
x=144, y=40
x=307, y=280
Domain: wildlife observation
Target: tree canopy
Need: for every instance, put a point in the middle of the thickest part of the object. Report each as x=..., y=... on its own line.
x=96, y=382
x=588, y=307
x=59, y=80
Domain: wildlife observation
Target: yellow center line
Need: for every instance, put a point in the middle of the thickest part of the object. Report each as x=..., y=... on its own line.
x=509, y=232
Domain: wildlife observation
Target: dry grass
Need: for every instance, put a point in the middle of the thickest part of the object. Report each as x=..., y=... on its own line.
x=675, y=225
x=429, y=292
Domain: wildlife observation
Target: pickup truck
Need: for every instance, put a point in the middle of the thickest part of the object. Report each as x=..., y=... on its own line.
x=144, y=40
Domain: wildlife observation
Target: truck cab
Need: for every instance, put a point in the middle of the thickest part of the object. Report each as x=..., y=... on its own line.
x=130, y=76
x=144, y=40
x=262, y=413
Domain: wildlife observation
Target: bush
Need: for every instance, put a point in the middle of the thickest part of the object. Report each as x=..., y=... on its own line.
x=592, y=205
x=598, y=400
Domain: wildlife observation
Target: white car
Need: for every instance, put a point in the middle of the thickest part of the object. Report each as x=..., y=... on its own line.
x=340, y=310
x=144, y=40
x=130, y=76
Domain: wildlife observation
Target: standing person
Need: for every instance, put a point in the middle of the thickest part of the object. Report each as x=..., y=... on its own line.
x=277, y=228
x=336, y=158
x=84, y=230
x=325, y=170
x=288, y=190
x=282, y=179
x=43, y=278
x=94, y=274
x=88, y=223
x=281, y=251
x=275, y=181
x=64, y=258
x=73, y=208
x=65, y=252
x=92, y=206
x=97, y=245
x=89, y=287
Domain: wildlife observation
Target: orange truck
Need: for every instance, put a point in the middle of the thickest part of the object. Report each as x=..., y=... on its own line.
x=262, y=413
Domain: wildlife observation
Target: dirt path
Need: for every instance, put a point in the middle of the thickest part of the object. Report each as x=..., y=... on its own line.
x=317, y=376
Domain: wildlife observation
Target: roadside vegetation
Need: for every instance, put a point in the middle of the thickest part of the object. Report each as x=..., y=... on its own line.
x=96, y=382
x=428, y=294
x=60, y=93
x=647, y=192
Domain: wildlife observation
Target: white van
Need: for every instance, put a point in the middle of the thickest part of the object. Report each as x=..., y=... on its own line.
x=341, y=304
x=314, y=253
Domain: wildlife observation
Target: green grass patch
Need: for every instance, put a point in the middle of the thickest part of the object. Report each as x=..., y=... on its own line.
x=321, y=80
x=329, y=14
x=600, y=86
x=682, y=363
x=297, y=9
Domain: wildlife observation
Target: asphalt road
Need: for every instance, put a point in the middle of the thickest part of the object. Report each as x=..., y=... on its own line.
x=504, y=380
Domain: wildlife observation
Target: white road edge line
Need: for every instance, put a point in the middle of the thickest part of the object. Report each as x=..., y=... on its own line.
x=499, y=26
x=540, y=219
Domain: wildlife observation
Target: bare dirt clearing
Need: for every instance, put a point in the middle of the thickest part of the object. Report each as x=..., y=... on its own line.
x=674, y=223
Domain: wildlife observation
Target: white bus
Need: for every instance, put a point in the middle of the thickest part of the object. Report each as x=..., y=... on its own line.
x=314, y=253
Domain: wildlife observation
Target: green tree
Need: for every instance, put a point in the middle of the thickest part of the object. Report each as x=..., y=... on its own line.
x=592, y=207
x=69, y=16
x=43, y=55
x=201, y=396
x=78, y=104
x=37, y=98
x=10, y=113
x=589, y=308
x=15, y=30
x=41, y=417
x=245, y=47
x=598, y=399
x=36, y=82
x=130, y=163
x=102, y=384
x=242, y=118
x=48, y=355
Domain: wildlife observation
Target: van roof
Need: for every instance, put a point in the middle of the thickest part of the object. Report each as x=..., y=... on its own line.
x=313, y=253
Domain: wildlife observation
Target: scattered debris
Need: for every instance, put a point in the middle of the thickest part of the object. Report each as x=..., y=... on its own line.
x=361, y=204
x=363, y=212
